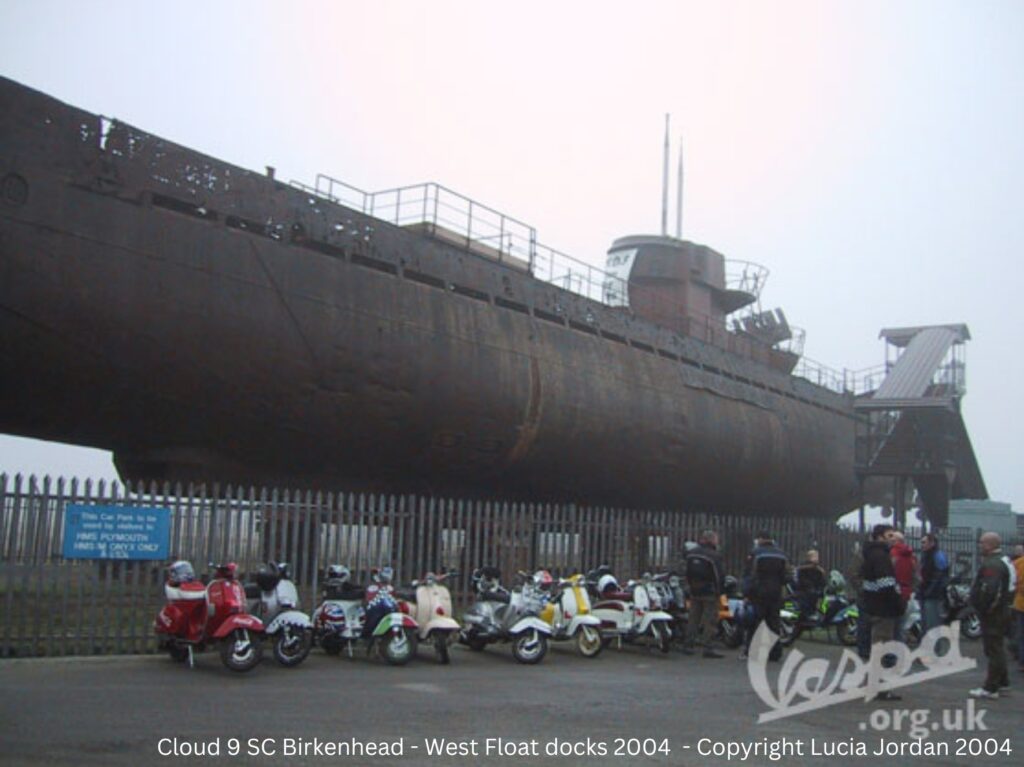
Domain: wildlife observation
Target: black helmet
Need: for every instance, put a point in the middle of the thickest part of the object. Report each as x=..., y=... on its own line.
x=268, y=576
x=730, y=585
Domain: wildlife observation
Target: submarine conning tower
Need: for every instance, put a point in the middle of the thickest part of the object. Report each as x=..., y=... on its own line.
x=695, y=291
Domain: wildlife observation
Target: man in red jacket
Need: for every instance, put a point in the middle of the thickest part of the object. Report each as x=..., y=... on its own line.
x=904, y=565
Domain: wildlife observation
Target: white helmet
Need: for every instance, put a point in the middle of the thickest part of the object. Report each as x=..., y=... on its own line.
x=338, y=572
x=607, y=583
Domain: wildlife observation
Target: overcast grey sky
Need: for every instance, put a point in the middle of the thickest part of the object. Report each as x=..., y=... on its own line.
x=870, y=154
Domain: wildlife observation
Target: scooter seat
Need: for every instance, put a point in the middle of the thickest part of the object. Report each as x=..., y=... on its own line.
x=620, y=596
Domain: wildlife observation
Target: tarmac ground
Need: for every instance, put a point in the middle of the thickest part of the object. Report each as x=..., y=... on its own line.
x=631, y=705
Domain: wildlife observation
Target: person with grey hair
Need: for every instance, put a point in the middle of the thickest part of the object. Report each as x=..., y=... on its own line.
x=991, y=594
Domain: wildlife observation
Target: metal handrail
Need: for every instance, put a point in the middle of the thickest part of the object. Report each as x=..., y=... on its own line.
x=464, y=218
x=745, y=276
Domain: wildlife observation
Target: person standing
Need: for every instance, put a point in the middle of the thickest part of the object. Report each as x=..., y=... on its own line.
x=705, y=578
x=934, y=578
x=766, y=572
x=880, y=604
x=990, y=596
x=810, y=585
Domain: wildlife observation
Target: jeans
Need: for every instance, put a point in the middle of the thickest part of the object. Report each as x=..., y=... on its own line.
x=931, y=614
x=863, y=635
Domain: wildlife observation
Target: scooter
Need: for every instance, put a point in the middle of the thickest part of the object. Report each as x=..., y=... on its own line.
x=500, y=616
x=567, y=611
x=274, y=598
x=350, y=614
x=431, y=608
x=732, y=613
x=197, y=617
x=629, y=615
x=958, y=608
x=338, y=621
x=672, y=592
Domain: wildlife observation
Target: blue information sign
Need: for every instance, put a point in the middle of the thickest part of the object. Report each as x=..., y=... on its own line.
x=116, y=532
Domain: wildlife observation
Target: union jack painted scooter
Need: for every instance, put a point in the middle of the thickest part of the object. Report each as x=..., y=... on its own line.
x=198, y=617
x=350, y=614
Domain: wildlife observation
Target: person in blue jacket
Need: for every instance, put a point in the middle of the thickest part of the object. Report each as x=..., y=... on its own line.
x=931, y=592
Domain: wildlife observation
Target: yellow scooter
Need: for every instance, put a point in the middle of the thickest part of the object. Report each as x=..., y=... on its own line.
x=568, y=612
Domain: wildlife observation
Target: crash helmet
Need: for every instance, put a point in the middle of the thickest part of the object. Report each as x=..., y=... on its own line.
x=268, y=576
x=730, y=586
x=607, y=583
x=180, y=572
x=836, y=582
x=543, y=579
x=486, y=579
x=338, y=572
x=383, y=575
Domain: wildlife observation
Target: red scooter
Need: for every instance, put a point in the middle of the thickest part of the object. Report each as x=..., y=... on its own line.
x=197, y=617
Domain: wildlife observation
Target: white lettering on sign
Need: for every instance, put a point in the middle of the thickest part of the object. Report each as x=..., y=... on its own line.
x=116, y=532
x=616, y=284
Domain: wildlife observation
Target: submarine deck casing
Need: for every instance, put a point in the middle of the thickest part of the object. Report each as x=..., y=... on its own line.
x=205, y=323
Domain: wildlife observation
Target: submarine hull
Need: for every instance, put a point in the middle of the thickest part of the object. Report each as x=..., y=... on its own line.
x=210, y=324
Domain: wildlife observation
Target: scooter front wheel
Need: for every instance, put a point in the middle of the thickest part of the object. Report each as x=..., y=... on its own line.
x=239, y=651
x=662, y=636
x=398, y=647
x=529, y=647
x=441, y=648
x=588, y=642
x=292, y=645
x=970, y=625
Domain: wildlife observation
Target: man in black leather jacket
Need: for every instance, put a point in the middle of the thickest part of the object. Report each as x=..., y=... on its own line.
x=704, y=575
x=991, y=594
x=766, y=571
x=880, y=603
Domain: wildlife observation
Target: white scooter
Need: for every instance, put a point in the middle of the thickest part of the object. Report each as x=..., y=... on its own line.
x=275, y=600
x=568, y=612
x=432, y=610
x=629, y=615
x=500, y=616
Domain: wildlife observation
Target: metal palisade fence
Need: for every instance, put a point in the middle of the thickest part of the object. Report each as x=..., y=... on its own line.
x=52, y=605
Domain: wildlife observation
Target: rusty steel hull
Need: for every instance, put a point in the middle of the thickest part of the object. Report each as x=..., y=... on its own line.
x=207, y=323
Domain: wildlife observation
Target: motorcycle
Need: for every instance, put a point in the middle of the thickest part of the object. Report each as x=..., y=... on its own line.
x=350, y=614
x=629, y=615
x=275, y=600
x=197, y=617
x=500, y=616
x=832, y=611
x=567, y=611
x=431, y=608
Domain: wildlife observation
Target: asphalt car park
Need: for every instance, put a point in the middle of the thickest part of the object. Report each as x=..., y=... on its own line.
x=635, y=705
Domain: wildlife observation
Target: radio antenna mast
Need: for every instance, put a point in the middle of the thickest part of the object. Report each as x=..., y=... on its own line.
x=664, y=186
x=679, y=194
